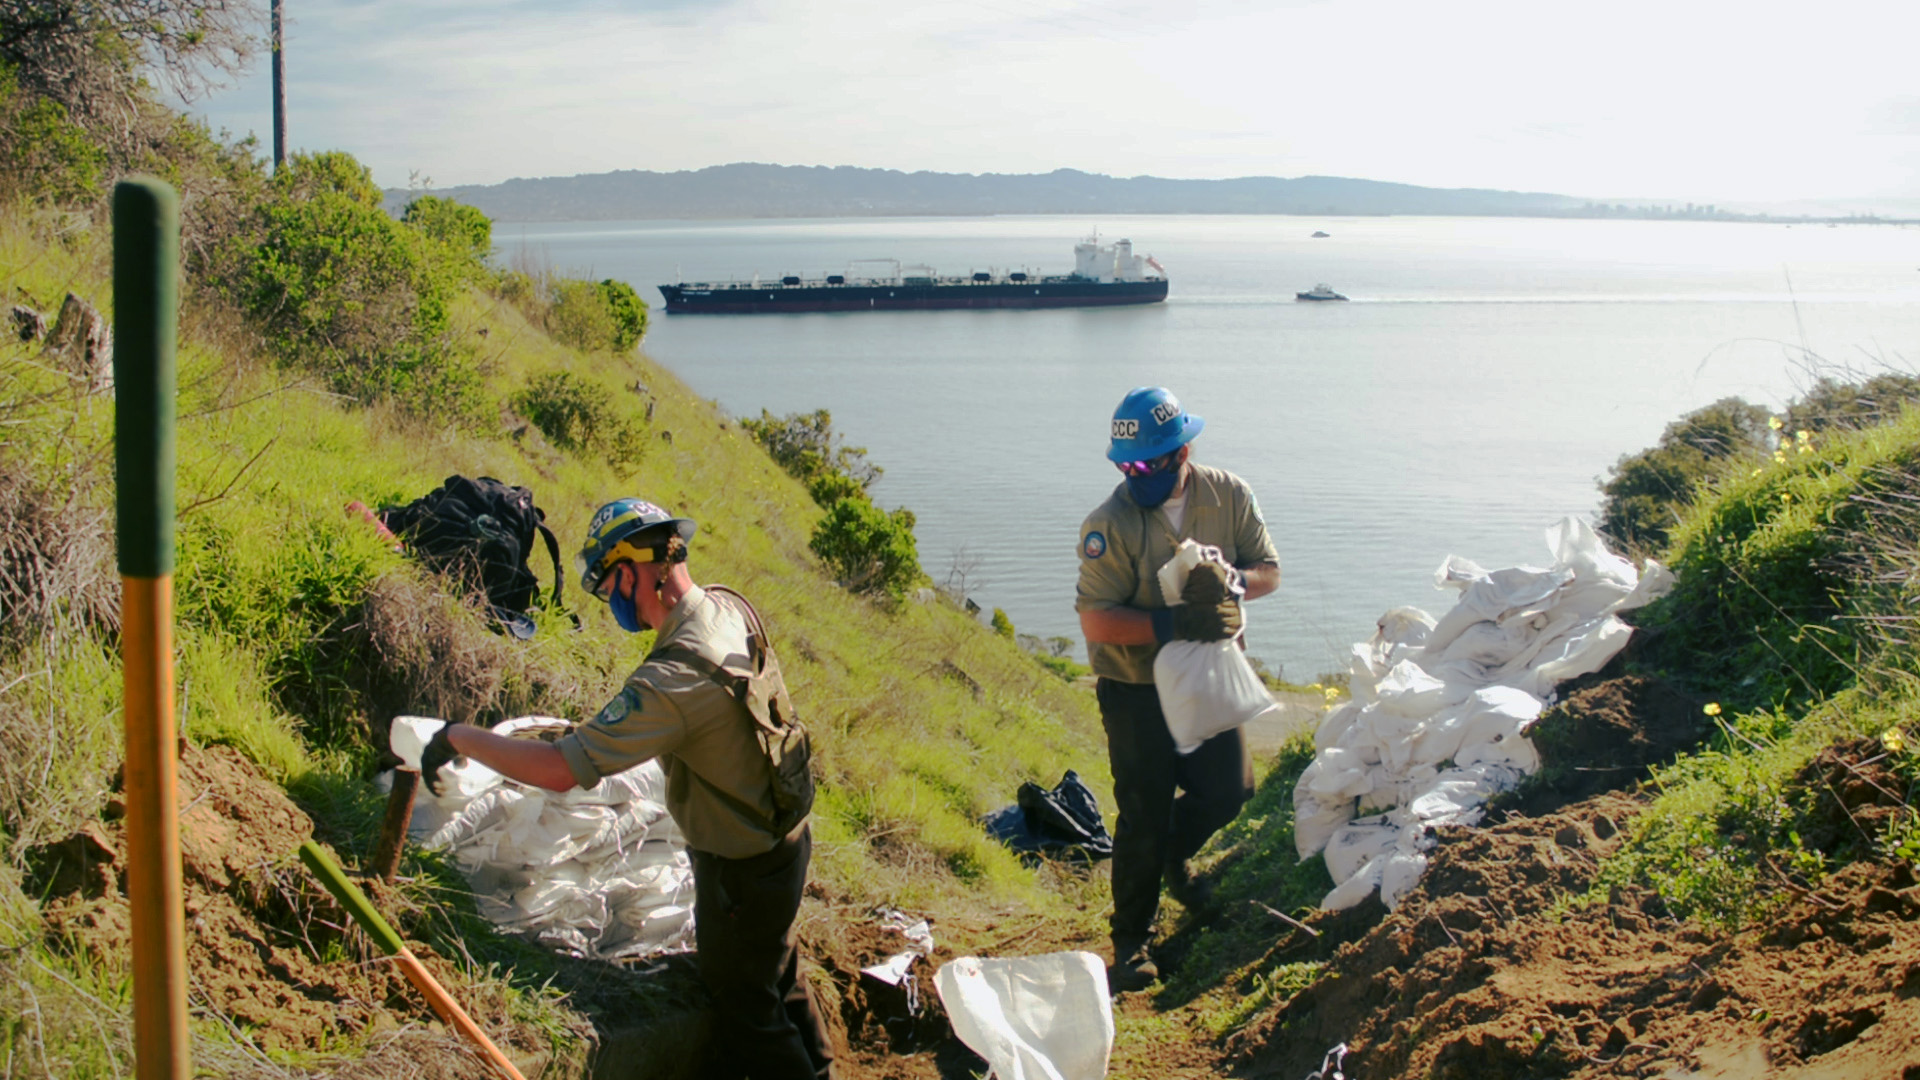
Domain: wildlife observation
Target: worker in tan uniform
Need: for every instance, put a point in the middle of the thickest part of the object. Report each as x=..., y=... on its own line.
x=1170, y=803
x=698, y=703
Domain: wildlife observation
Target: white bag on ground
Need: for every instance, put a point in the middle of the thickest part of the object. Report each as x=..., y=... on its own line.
x=1440, y=711
x=599, y=871
x=1032, y=1017
x=1205, y=687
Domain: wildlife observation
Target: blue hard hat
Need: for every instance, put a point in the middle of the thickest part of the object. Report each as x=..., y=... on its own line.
x=1150, y=423
x=619, y=532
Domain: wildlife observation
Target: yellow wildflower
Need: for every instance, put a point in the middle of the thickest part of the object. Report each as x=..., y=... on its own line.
x=1805, y=449
x=1774, y=423
x=1780, y=455
x=1712, y=708
x=1893, y=740
x=1786, y=496
x=1803, y=435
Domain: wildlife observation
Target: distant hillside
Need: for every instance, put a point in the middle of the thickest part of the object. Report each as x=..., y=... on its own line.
x=750, y=190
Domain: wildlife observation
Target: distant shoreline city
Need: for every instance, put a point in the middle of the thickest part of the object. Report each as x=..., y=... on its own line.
x=747, y=190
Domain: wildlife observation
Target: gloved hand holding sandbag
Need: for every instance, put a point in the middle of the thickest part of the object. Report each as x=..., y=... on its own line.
x=439, y=752
x=1204, y=681
x=421, y=743
x=1209, y=608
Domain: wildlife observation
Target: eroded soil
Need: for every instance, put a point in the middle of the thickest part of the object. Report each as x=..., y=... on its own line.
x=265, y=946
x=1487, y=970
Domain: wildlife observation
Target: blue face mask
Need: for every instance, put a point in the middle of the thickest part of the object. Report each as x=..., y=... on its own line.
x=1154, y=488
x=625, y=613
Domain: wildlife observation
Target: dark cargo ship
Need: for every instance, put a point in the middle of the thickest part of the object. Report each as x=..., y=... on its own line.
x=1102, y=275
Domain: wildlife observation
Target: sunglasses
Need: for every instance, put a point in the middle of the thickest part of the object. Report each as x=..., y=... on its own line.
x=1146, y=468
x=622, y=552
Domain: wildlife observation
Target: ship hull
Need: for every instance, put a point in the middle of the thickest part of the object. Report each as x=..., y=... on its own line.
x=684, y=300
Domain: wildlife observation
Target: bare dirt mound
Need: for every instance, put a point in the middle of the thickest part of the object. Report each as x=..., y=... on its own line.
x=1604, y=736
x=265, y=948
x=1479, y=974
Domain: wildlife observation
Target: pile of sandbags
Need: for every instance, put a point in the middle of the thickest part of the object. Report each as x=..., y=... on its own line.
x=598, y=872
x=1438, y=718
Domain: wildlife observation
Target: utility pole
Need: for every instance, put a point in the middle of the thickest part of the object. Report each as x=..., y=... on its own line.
x=279, y=93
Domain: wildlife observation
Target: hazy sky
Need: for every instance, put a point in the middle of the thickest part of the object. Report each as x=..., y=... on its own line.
x=1714, y=102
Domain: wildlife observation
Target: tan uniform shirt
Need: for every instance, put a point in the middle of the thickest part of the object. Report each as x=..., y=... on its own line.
x=719, y=785
x=1123, y=547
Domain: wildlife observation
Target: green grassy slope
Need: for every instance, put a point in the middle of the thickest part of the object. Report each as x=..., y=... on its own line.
x=301, y=633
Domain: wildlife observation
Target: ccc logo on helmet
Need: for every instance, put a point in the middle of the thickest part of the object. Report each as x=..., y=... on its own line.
x=1126, y=429
x=1165, y=411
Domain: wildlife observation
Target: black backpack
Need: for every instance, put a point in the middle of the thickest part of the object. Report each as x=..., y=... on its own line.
x=481, y=533
x=783, y=738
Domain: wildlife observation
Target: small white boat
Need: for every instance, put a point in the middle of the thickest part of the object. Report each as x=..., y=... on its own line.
x=1321, y=291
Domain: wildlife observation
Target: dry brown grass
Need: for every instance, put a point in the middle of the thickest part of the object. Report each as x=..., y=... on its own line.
x=430, y=655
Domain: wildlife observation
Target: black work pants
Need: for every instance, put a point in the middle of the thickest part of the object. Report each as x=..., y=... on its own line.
x=766, y=1026
x=1158, y=826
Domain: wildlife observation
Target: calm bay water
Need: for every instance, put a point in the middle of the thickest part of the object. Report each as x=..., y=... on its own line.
x=1486, y=373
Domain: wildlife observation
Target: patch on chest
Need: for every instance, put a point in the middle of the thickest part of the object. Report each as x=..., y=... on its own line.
x=1094, y=546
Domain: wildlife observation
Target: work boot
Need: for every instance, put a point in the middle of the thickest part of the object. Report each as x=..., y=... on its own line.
x=1133, y=969
x=1194, y=894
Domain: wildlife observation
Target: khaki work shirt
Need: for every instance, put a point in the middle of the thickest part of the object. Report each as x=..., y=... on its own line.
x=719, y=784
x=1123, y=547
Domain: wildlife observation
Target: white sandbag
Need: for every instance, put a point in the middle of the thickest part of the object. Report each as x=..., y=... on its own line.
x=1391, y=790
x=1315, y=818
x=1355, y=888
x=1400, y=871
x=1489, y=715
x=600, y=871
x=1409, y=691
x=1205, y=688
x=1462, y=700
x=1578, y=653
x=1032, y=1017
x=1334, y=725
x=1403, y=628
x=1358, y=842
x=1342, y=775
x=408, y=737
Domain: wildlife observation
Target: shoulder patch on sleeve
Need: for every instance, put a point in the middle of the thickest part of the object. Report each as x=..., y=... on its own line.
x=1094, y=546
x=617, y=709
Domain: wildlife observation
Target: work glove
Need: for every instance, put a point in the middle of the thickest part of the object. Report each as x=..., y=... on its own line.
x=439, y=752
x=1209, y=609
x=1210, y=583
x=1206, y=622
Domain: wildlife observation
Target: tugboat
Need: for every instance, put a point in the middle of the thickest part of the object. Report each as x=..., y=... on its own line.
x=1321, y=291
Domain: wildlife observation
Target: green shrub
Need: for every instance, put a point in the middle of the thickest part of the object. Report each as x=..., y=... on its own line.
x=342, y=289
x=628, y=313
x=1832, y=403
x=579, y=315
x=1002, y=625
x=47, y=156
x=828, y=488
x=806, y=446
x=575, y=415
x=462, y=228
x=869, y=549
x=1645, y=495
